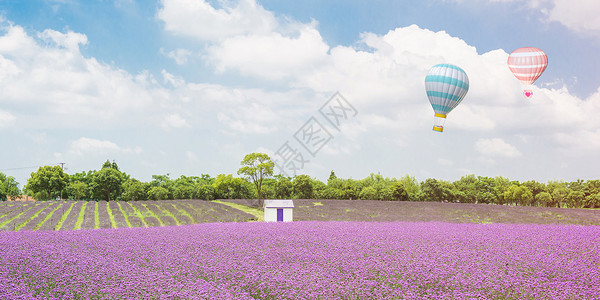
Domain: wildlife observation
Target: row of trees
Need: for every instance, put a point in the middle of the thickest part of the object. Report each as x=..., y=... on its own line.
x=257, y=181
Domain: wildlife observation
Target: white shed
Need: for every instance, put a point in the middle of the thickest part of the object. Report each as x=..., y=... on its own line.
x=279, y=210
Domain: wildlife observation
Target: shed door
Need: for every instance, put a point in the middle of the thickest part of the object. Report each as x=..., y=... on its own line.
x=280, y=215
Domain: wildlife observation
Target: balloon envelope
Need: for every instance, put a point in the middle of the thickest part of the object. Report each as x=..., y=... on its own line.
x=527, y=64
x=446, y=86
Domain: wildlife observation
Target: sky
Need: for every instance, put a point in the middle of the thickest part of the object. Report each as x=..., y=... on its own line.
x=189, y=87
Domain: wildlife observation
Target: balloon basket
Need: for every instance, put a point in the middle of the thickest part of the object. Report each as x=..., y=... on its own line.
x=528, y=93
x=438, y=128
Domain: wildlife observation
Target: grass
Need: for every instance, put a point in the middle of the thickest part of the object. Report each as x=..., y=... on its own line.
x=32, y=217
x=50, y=214
x=9, y=220
x=138, y=213
x=81, y=216
x=124, y=214
x=259, y=214
x=152, y=214
x=63, y=218
x=184, y=212
x=168, y=213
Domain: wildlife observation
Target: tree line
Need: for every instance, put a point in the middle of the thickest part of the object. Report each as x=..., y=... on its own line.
x=110, y=183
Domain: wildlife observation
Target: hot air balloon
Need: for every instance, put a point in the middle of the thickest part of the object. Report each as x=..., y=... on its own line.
x=527, y=64
x=446, y=86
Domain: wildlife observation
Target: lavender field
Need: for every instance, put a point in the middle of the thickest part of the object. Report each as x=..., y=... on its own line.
x=305, y=260
x=75, y=215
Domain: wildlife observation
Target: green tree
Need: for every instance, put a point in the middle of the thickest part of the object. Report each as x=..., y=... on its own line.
x=256, y=167
x=48, y=181
x=165, y=182
x=437, y=190
x=331, y=177
x=134, y=190
x=575, y=199
x=518, y=195
x=535, y=187
x=399, y=192
x=544, y=199
x=204, y=191
x=559, y=195
x=158, y=193
x=78, y=189
x=592, y=201
x=368, y=193
x=107, y=182
x=411, y=185
x=223, y=186
x=183, y=187
x=302, y=187
x=9, y=187
x=283, y=187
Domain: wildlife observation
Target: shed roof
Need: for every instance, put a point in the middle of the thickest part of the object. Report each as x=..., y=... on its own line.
x=279, y=204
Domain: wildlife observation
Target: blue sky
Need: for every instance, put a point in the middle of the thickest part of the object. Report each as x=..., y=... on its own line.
x=189, y=87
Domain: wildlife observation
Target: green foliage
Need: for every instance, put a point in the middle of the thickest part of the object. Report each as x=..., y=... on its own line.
x=544, y=199
x=575, y=199
x=399, y=192
x=518, y=195
x=78, y=189
x=256, y=167
x=134, y=190
x=48, y=182
x=158, y=193
x=204, y=191
x=559, y=194
x=9, y=187
x=592, y=201
x=302, y=187
x=107, y=182
x=437, y=190
x=283, y=187
x=368, y=193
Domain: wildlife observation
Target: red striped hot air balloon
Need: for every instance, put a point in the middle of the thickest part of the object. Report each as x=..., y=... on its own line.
x=527, y=64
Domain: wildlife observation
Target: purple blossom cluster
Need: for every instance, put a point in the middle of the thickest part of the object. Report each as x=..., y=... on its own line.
x=305, y=260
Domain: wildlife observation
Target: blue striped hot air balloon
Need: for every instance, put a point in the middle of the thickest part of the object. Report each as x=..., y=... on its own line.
x=446, y=86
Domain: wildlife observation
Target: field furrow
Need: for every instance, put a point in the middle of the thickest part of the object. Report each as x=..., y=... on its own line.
x=14, y=211
x=72, y=217
x=118, y=217
x=103, y=217
x=34, y=222
x=53, y=217
x=156, y=212
x=89, y=220
x=26, y=214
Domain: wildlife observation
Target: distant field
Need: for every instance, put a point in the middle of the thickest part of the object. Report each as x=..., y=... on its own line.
x=73, y=215
x=372, y=210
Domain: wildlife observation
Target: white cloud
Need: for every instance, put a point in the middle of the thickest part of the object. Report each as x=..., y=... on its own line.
x=6, y=119
x=70, y=40
x=199, y=19
x=59, y=86
x=174, y=121
x=496, y=147
x=271, y=56
x=85, y=146
x=581, y=15
x=180, y=56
